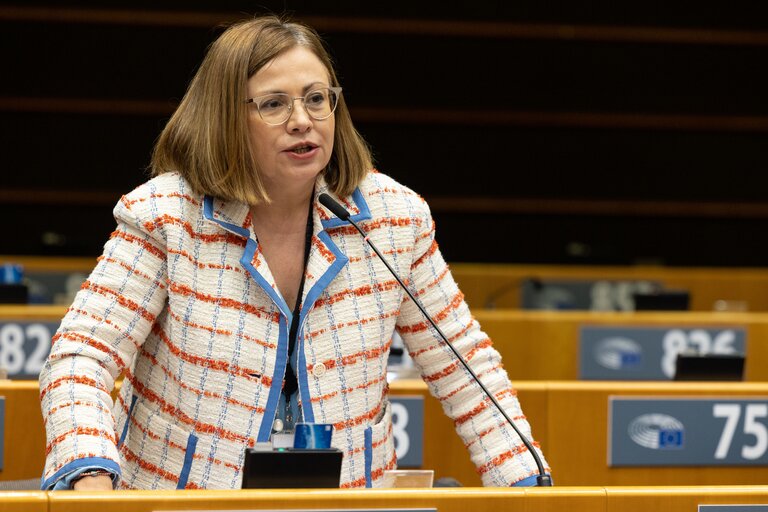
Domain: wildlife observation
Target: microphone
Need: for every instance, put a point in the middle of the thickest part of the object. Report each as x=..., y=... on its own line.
x=543, y=480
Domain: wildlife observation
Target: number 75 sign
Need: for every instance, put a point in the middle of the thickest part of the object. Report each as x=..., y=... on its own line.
x=682, y=432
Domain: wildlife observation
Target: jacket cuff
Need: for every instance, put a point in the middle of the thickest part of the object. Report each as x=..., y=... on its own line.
x=63, y=478
x=527, y=482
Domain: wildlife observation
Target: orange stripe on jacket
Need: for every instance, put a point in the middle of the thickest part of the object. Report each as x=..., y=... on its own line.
x=171, y=477
x=455, y=364
x=213, y=364
x=227, y=303
x=150, y=248
x=223, y=332
x=457, y=300
x=209, y=394
x=357, y=292
x=162, y=220
x=175, y=412
x=81, y=431
x=129, y=304
x=77, y=379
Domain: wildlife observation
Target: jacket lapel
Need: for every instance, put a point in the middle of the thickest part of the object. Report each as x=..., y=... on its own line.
x=325, y=258
x=236, y=218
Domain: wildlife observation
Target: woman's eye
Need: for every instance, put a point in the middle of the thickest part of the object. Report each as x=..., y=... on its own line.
x=315, y=98
x=271, y=104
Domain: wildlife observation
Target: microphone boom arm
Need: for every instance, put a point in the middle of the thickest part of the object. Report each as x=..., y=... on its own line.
x=543, y=479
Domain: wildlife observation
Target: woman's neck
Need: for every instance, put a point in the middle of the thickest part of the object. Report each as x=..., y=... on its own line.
x=286, y=212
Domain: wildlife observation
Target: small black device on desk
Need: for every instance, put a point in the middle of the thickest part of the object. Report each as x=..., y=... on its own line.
x=281, y=468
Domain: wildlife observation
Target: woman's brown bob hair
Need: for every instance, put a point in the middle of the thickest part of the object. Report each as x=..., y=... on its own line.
x=207, y=139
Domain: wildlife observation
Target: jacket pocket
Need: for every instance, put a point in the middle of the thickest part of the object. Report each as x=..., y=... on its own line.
x=157, y=453
x=379, y=447
x=127, y=422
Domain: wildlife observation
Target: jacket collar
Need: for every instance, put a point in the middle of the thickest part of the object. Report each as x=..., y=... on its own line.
x=235, y=216
x=325, y=258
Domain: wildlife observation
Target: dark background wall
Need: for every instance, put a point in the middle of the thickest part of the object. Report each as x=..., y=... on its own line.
x=540, y=132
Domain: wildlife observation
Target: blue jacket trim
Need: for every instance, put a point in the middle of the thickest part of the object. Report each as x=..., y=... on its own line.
x=362, y=206
x=208, y=214
x=250, y=250
x=368, y=452
x=77, y=465
x=127, y=421
x=265, y=430
x=188, y=454
x=313, y=294
x=526, y=482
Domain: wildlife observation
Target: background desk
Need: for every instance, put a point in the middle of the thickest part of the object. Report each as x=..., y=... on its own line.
x=478, y=281
x=544, y=345
x=568, y=418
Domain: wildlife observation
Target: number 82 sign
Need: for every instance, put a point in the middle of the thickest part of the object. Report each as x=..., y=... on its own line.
x=24, y=347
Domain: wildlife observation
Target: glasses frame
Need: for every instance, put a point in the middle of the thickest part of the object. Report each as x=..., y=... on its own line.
x=334, y=90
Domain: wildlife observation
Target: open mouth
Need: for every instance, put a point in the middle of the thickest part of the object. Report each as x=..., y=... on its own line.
x=300, y=150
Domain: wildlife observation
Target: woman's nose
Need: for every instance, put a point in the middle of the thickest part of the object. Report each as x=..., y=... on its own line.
x=299, y=120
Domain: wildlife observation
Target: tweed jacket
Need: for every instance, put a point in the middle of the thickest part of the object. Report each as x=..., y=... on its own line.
x=183, y=304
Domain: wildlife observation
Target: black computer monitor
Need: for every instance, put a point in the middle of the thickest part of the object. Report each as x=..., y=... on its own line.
x=663, y=300
x=717, y=367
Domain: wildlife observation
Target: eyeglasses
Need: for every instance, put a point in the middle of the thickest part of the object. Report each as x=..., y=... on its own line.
x=276, y=108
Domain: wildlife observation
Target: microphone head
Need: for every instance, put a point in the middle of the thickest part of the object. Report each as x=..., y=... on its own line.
x=334, y=207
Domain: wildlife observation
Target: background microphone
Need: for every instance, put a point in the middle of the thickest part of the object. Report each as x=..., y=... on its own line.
x=543, y=480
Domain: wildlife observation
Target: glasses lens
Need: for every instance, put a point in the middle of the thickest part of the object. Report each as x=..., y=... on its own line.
x=274, y=108
x=320, y=103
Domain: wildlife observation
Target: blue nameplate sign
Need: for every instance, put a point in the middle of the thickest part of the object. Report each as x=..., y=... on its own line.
x=408, y=430
x=733, y=508
x=24, y=347
x=649, y=353
x=687, y=432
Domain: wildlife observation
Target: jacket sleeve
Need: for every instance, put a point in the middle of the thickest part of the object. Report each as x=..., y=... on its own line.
x=101, y=332
x=496, y=450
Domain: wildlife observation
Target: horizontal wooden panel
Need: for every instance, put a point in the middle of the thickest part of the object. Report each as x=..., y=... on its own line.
x=574, y=163
x=425, y=19
x=462, y=204
x=737, y=13
x=111, y=153
x=444, y=72
x=418, y=116
x=591, y=240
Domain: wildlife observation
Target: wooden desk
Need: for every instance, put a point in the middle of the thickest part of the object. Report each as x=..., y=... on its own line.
x=24, y=439
x=568, y=418
x=444, y=451
x=554, y=499
x=577, y=416
x=51, y=264
x=23, y=501
x=706, y=285
x=444, y=500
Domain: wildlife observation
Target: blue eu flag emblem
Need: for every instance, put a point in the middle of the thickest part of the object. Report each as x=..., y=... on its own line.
x=629, y=359
x=670, y=439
